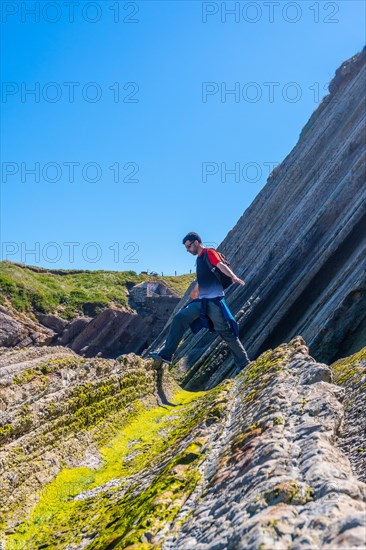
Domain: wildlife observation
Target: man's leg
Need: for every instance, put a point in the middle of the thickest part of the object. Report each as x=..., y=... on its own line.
x=237, y=349
x=179, y=325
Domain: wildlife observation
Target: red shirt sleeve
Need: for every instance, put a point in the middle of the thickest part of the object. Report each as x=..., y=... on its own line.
x=213, y=256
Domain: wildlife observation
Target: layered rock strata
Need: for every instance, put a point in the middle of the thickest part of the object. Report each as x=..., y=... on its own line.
x=55, y=407
x=109, y=333
x=350, y=373
x=16, y=329
x=279, y=480
x=154, y=302
x=301, y=244
x=253, y=463
x=115, y=331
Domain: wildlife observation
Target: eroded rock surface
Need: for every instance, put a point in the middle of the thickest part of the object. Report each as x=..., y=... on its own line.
x=115, y=455
x=119, y=331
x=300, y=246
x=279, y=480
x=54, y=408
x=16, y=329
x=350, y=373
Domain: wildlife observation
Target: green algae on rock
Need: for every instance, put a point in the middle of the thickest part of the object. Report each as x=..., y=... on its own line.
x=171, y=463
x=83, y=405
x=175, y=455
x=350, y=373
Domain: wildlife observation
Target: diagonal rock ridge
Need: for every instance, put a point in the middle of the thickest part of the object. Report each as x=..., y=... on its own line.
x=280, y=480
x=257, y=462
x=300, y=246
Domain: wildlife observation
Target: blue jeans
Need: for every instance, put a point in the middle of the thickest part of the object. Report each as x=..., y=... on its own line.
x=184, y=318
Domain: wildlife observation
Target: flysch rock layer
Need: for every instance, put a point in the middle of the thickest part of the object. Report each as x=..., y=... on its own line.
x=280, y=481
x=110, y=333
x=55, y=409
x=301, y=244
x=102, y=332
x=253, y=464
x=350, y=373
x=16, y=329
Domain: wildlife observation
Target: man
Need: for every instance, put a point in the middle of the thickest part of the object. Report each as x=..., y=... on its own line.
x=208, y=292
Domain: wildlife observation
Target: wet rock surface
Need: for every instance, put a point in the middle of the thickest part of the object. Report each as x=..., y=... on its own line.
x=55, y=406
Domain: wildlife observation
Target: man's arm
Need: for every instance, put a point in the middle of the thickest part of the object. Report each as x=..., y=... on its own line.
x=226, y=269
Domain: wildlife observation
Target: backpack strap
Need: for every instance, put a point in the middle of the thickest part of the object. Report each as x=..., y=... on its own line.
x=211, y=267
x=207, y=260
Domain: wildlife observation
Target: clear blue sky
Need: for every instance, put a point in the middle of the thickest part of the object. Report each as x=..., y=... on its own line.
x=162, y=138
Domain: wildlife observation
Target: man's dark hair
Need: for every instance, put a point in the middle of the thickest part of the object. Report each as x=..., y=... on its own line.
x=192, y=236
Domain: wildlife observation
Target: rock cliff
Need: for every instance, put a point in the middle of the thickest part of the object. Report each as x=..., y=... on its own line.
x=301, y=244
x=94, y=313
x=97, y=453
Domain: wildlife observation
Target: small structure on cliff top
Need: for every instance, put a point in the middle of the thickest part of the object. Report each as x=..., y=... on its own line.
x=151, y=289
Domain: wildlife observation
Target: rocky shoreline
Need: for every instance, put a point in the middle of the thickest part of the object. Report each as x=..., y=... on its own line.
x=114, y=454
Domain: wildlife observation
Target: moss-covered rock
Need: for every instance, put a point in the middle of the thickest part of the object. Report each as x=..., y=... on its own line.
x=121, y=457
x=350, y=373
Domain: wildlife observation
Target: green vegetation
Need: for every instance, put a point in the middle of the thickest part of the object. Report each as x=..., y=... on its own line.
x=289, y=492
x=147, y=459
x=73, y=293
x=83, y=405
x=153, y=441
x=260, y=373
x=350, y=368
x=28, y=375
x=180, y=283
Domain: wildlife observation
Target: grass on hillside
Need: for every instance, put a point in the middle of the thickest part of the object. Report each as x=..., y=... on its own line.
x=73, y=293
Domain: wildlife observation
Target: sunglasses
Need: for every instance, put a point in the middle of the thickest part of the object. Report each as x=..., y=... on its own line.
x=189, y=246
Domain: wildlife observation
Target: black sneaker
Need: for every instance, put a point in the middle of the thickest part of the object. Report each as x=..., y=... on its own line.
x=157, y=357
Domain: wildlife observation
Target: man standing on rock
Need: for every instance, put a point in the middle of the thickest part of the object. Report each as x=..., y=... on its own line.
x=208, y=307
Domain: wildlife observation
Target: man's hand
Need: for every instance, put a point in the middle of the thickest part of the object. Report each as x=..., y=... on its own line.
x=237, y=280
